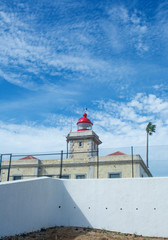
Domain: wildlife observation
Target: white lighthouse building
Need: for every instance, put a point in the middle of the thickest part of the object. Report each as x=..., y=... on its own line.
x=84, y=142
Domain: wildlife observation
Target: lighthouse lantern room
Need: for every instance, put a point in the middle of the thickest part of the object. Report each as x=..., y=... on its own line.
x=84, y=123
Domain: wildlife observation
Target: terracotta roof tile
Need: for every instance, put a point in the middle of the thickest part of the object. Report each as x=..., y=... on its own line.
x=116, y=153
x=28, y=157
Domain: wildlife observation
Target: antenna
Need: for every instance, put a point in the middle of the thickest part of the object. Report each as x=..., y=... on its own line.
x=71, y=125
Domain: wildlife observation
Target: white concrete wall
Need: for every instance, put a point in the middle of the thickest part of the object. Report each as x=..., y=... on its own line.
x=126, y=205
x=28, y=205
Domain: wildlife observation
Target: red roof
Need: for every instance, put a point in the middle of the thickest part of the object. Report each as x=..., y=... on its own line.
x=27, y=157
x=84, y=119
x=116, y=153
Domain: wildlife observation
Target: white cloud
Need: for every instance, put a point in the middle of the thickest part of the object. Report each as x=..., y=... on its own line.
x=124, y=124
x=68, y=51
x=25, y=51
x=23, y=138
x=125, y=29
x=118, y=124
x=157, y=87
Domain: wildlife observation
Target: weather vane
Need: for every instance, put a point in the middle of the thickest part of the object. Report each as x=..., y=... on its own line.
x=85, y=109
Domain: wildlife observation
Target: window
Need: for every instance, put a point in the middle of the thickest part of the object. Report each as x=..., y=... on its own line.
x=80, y=176
x=66, y=176
x=114, y=175
x=80, y=144
x=17, y=177
x=87, y=126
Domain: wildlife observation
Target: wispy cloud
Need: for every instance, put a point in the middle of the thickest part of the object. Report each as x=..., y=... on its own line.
x=121, y=120
x=118, y=124
x=127, y=29
x=67, y=51
x=57, y=46
x=31, y=138
x=64, y=55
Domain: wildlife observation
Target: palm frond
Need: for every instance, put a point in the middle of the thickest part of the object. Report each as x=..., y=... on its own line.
x=150, y=128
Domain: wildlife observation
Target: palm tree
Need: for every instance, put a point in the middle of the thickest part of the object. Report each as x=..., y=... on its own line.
x=149, y=130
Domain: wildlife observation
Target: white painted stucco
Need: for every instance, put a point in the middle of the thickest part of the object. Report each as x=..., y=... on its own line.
x=29, y=205
x=126, y=205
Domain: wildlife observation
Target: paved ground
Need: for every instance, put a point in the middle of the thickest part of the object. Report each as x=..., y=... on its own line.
x=77, y=233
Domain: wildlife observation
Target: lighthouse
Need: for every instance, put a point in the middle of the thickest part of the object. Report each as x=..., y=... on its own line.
x=84, y=142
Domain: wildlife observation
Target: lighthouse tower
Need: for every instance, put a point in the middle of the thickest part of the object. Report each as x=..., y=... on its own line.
x=84, y=142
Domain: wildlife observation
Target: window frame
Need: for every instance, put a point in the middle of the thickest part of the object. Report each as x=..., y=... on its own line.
x=69, y=176
x=80, y=142
x=80, y=174
x=114, y=173
x=17, y=175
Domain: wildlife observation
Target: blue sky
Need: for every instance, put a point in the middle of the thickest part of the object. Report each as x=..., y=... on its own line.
x=59, y=57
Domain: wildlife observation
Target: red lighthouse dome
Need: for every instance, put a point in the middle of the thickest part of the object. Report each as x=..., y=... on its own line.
x=84, y=123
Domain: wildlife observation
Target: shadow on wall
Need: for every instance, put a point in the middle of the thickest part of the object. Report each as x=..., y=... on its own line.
x=30, y=205
x=69, y=213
